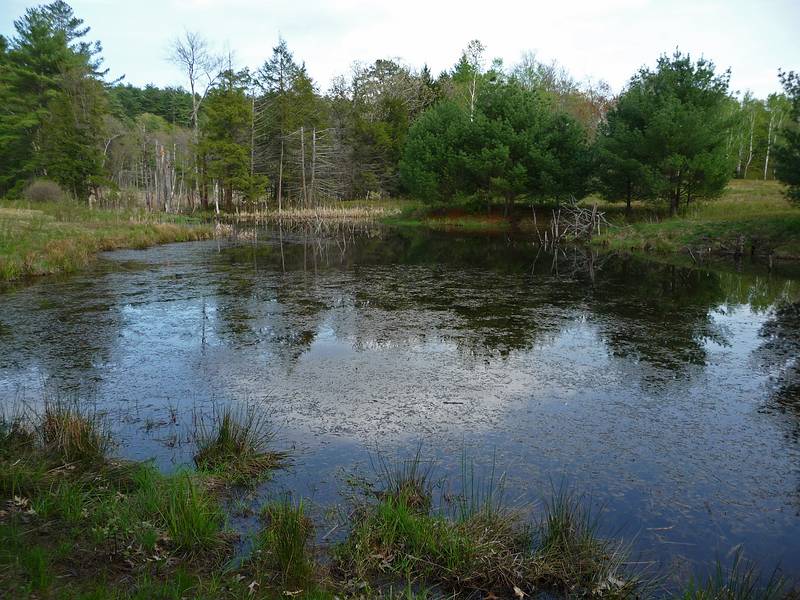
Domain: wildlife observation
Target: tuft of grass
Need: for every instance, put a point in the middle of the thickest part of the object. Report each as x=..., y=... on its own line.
x=66, y=500
x=35, y=562
x=742, y=581
x=409, y=478
x=16, y=434
x=235, y=446
x=485, y=552
x=73, y=434
x=282, y=544
x=478, y=545
x=191, y=516
x=569, y=553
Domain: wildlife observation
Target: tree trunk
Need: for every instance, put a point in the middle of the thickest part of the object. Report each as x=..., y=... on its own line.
x=750, y=152
x=628, y=199
x=280, y=180
x=303, y=165
x=675, y=201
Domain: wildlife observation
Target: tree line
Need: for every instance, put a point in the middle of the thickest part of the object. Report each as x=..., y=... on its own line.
x=479, y=133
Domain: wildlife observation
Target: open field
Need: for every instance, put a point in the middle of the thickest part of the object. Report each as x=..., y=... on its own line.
x=39, y=239
x=752, y=217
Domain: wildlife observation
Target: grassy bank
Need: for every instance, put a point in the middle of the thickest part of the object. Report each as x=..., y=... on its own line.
x=752, y=217
x=77, y=524
x=39, y=239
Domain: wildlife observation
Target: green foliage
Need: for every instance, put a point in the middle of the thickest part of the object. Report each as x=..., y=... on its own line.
x=54, y=101
x=225, y=145
x=787, y=153
x=173, y=104
x=666, y=137
x=514, y=146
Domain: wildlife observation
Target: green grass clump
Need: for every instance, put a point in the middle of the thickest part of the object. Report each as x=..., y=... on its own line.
x=282, y=546
x=175, y=508
x=235, y=446
x=473, y=543
x=73, y=434
x=570, y=554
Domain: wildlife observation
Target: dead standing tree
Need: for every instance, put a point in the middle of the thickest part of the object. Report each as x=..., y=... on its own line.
x=191, y=52
x=311, y=168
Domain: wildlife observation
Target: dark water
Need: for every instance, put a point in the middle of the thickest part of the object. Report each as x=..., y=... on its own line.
x=668, y=395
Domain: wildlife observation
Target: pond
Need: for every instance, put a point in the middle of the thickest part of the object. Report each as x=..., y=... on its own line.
x=668, y=395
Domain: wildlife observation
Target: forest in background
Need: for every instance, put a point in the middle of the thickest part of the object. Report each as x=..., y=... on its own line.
x=481, y=133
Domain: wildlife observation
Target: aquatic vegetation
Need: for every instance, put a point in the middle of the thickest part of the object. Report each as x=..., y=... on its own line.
x=742, y=581
x=113, y=529
x=480, y=544
x=72, y=433
x=570, y=554
x=234, y=444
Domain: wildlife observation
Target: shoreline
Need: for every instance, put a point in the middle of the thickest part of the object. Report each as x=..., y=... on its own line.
x=77, y=522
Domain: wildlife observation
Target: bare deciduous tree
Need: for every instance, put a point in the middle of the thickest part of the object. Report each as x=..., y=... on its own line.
x=474, y=54
x=191, y=52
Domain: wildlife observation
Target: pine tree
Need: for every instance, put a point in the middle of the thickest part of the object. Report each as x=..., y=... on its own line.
x=54, y=99
x=667, y=137
x=225, y=138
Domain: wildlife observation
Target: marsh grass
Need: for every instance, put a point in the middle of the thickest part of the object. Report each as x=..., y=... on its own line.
x=742, y=581
x=73, y=433
x=409, y=478
x=282, y=546
x=234, y=444
x=474, y=543
x=570, y=553
x=62, y=237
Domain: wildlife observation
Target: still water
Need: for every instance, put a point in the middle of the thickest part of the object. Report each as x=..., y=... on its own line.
x=668, y=395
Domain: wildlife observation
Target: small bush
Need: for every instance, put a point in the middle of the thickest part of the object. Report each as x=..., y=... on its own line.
x=44, y=190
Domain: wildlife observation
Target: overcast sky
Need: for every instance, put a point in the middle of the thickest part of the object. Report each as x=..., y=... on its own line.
x=602, y=39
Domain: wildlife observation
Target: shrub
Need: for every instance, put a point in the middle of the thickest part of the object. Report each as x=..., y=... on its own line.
x=44, y=190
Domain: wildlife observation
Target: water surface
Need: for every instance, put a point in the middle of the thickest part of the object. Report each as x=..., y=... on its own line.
x=668, y=394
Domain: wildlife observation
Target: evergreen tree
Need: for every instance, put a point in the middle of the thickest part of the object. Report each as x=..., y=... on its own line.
x=667, y=136
x=510, y=145
x=225, y=140
x=54, y=100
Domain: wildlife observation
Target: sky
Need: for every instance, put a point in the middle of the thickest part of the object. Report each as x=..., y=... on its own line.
x=599, y=39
